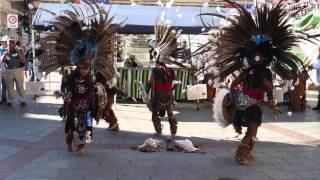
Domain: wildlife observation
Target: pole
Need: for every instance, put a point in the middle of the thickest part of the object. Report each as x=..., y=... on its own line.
x=115, y=64
x=193, y=78
x=29, y=17
x=1, y=28
x=33, y=65
x=33, y=54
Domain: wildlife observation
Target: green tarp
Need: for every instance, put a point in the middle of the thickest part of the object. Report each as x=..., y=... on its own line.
x=128, y=78
x=309, y=22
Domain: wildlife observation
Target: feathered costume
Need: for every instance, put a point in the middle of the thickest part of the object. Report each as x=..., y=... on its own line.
x=252, y=44
x=166, y=50
x=85, y=42
x=73, y=33
x=166, y=47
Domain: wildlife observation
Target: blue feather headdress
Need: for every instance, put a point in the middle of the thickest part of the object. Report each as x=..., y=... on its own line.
x=80, y=36
x=263, y=38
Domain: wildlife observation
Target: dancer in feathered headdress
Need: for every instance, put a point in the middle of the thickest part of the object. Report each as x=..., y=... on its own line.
x=87, y=43
x=252, y=44
x=166, y=50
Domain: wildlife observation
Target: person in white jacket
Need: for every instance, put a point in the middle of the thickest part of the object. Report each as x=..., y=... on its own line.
x=317, y=67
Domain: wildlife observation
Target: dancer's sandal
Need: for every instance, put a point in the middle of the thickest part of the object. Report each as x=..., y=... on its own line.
x=243, y=154
x=114, y=127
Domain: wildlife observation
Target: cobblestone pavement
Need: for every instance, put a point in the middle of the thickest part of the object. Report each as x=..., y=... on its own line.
x=32, y=147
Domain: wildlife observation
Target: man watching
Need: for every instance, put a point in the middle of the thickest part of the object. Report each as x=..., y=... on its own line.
x=14, y=61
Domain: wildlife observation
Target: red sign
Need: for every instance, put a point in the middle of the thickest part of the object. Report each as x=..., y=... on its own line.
x=12, y=21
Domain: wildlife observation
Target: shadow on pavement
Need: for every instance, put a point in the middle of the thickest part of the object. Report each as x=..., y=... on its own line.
x=110, y=154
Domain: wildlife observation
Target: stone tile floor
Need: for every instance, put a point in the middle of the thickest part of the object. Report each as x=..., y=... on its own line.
x=32, y=147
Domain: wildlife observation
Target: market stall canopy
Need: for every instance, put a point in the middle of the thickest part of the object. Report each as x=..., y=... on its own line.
x=138, y=19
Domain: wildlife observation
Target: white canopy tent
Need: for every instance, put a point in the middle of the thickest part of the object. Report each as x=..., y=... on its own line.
x=138, y=19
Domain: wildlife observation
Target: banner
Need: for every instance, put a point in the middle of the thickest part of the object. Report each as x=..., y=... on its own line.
x=196, y=92
x=304, y=7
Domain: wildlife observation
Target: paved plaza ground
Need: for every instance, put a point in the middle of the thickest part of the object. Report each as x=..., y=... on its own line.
x=32, y=146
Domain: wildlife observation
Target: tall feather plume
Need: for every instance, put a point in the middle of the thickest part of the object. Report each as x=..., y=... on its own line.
x=166, y=44
x=73, y=27
x=238, y=40
x=105, y=40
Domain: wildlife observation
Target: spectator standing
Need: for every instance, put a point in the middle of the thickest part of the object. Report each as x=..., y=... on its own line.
x=317, y=67
x=19, y=46
x=132, y=62
x=15, y=61
x=186, y=53
x=3, y=86
x=2, y=49
x=2, y=69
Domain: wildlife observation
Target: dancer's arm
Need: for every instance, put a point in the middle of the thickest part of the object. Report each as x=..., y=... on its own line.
x=268, y=85
x=150, y=83
x=116, y=90
x=174, y=78
x=236, y=82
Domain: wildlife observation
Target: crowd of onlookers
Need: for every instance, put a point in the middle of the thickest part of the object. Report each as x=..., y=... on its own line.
x=13, y=64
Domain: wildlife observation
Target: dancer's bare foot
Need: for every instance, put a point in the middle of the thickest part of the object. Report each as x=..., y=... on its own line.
x=114, y=127
x=157, y=134
x=237, y=128
x=173, y=136
x=70, y=148
x=80, y=151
